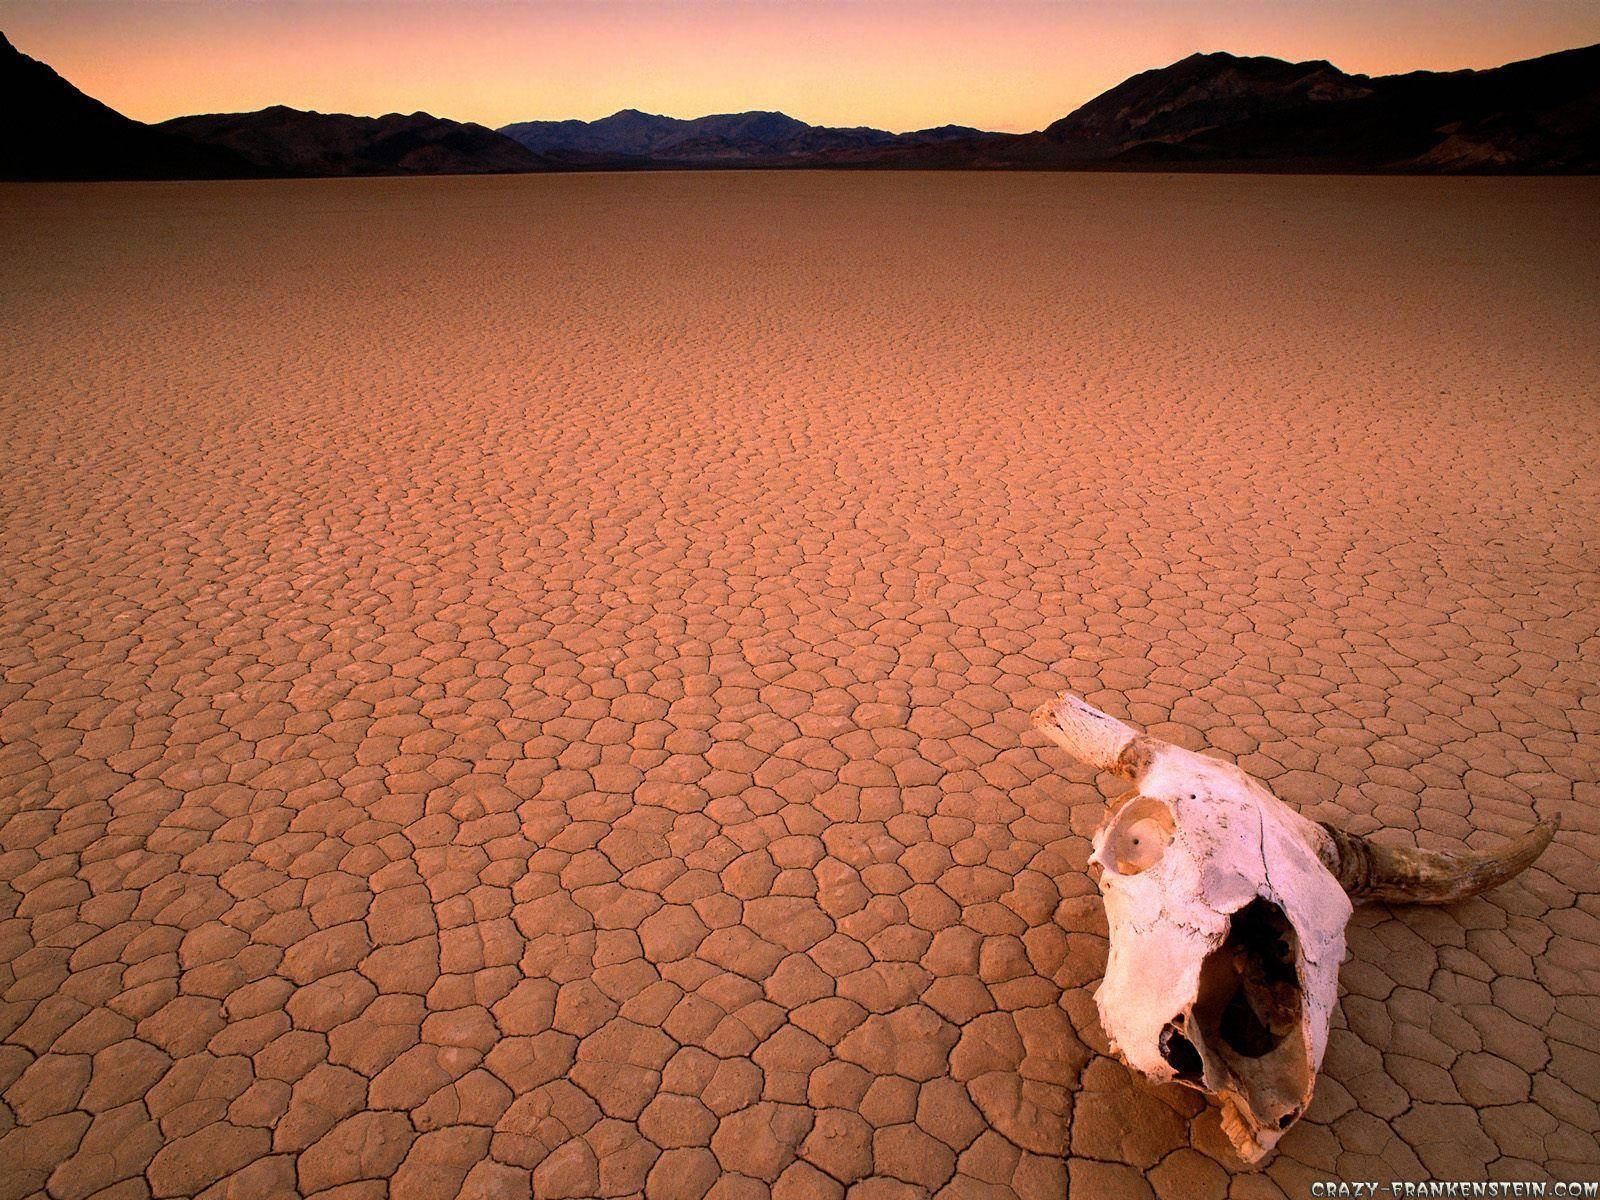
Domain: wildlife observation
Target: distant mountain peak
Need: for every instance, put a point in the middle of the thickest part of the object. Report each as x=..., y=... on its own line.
x=630, y=135
x=1220, y=108
x=1202, y=91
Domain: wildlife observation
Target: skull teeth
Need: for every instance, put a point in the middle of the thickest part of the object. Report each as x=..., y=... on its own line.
x=1240, y=1134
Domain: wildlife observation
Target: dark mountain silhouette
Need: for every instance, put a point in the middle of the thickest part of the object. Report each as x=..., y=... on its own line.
x=51, y=130
x=54, y=131
x=1539, y=115
x=945, y=133
x=1201, y=92
x=287, y=141
x=721, y=138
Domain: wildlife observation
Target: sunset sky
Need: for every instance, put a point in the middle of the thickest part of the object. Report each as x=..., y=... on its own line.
x=896, y=64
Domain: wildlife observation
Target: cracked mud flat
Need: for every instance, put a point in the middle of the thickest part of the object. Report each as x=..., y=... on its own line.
x=521, y=685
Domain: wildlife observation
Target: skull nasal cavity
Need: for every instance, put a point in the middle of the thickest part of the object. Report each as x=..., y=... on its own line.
x=1181, y=1055
x=1139, y=836
x=1249, y=987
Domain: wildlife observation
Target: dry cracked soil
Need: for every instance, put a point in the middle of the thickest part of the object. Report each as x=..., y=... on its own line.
x=518, y=686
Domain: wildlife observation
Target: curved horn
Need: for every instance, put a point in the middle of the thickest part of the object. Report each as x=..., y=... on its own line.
x=1370, y=870
x=1093, y=738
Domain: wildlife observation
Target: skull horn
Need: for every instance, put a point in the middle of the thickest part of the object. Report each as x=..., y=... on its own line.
x=1369, y=870
x=1094, y=738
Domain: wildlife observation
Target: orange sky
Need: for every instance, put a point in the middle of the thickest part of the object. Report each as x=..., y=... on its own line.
x=895, y=64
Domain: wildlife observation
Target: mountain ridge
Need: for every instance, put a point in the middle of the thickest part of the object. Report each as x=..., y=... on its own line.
x=756, y=134
x=1540, y=114
x=81, y=138
x=280, y=140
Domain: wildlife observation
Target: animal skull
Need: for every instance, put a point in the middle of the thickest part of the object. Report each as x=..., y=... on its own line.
x=1226, y=910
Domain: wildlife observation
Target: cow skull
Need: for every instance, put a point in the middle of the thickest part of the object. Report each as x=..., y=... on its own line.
x=1226, y=910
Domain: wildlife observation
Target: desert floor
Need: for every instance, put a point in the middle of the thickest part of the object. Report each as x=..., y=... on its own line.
x=522, y=684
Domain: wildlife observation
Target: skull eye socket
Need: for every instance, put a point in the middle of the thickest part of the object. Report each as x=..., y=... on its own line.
x=1139, y=836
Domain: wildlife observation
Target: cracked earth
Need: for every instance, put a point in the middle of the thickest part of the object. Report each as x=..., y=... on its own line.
x=519, y=686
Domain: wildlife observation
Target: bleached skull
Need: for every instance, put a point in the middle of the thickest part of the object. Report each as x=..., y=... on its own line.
x=1226, y=910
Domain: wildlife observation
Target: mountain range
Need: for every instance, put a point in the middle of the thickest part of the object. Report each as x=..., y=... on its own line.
x=1213, y=111
x=724, y=138
x=287, y=141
